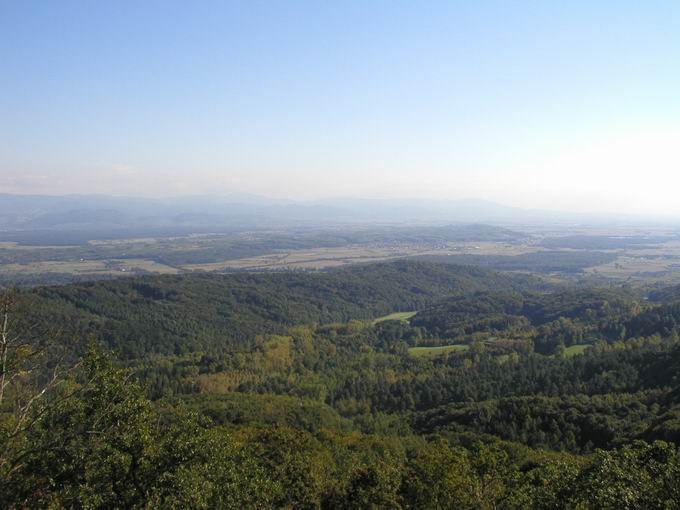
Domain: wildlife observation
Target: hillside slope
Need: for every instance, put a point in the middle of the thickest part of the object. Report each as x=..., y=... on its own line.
x=179, y=314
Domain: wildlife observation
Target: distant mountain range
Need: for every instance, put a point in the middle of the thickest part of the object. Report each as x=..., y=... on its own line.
x=219, y=213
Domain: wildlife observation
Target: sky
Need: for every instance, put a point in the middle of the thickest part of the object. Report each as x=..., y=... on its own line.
x=570, y=105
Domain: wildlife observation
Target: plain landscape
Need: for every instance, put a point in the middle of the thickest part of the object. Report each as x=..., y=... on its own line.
x=339, y=255
x=516, y=360
x=643, y=253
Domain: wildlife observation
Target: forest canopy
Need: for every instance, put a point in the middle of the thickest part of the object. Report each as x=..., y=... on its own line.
x=292, y=390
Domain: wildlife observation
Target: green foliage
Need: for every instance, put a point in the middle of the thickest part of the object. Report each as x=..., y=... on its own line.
x=100, y=445
x=253, y=409
x=298, y=462
x=550, y=320
x=258, y=406
x=576, y=423
x=636, y=476
x=199, y=312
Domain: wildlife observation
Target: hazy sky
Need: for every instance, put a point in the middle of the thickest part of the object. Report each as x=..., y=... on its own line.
x=565, y=104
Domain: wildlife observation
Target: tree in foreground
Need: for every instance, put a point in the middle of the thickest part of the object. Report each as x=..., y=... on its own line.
x=99, y=443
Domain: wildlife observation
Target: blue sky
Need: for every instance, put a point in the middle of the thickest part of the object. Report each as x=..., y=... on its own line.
x=569, y=104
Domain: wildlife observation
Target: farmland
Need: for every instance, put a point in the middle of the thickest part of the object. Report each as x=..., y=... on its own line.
x=617, y=254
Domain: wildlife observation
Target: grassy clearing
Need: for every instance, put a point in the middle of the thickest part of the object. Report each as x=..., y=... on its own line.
x=397, y=316
x=436, y=351
x=575, y=350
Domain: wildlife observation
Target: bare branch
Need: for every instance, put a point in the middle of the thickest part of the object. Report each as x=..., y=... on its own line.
x=25, y=359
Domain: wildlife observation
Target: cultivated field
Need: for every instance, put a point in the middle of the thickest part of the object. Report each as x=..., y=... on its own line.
x=323, y=258
x=89, y=267
x=636, y=255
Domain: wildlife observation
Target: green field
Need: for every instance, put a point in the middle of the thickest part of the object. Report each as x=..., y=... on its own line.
x=436, y=351
x=575, y=350
x=397, y=316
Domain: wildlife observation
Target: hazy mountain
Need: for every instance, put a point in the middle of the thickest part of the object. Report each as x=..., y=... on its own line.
x=42, y=212
x=22, y=212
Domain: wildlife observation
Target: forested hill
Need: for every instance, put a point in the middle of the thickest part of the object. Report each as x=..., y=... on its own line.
x=493, y=392
x=565, y=317
x=665, y=294
x=179, y=314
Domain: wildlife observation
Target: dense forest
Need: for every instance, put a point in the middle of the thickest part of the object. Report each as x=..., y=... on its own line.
x=291, y=390
x=185, y=313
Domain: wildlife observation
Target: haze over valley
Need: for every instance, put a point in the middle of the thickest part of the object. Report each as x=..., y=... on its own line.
x=339, y=255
